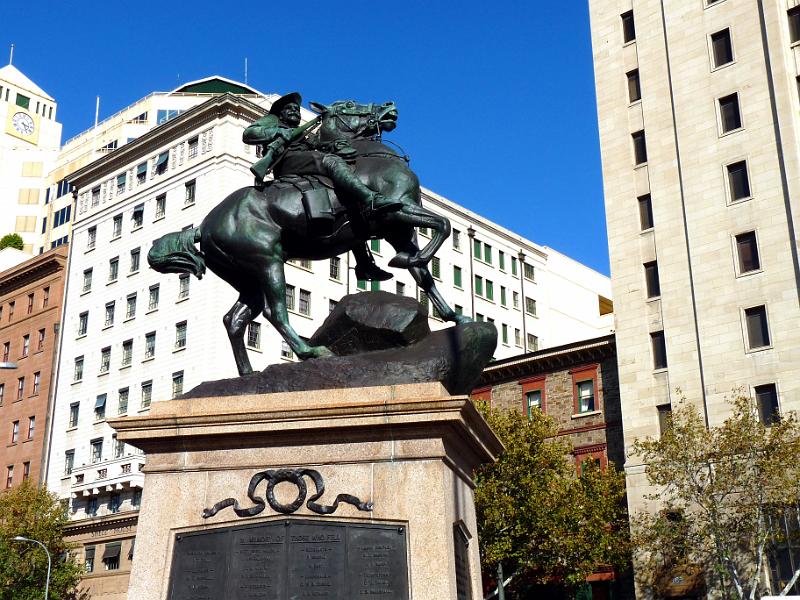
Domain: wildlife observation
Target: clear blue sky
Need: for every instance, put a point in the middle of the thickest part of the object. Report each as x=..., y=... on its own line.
x=496, y=100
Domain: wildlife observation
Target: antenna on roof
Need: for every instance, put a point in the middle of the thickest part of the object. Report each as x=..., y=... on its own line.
x=11, y=56
x=245, y=69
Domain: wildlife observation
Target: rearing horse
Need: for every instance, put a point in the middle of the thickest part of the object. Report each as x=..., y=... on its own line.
x=247, y=238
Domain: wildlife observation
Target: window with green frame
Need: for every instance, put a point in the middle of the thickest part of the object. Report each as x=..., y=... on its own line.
x=513, y=265
x=489, y=290
x=505, y=333
x=23, y=101
x=458, y=309
x=487, y=253
x=361, y=284
x=502, y=295
x=533, y=401
x=436, y=267
x=375, y=286
x=478, y=285
x=375, y=246
x=457, y=276
x=501, y=260
x=476, y=249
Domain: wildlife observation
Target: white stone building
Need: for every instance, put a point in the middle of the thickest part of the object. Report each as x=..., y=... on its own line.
x=699, y=130
x=29, y=145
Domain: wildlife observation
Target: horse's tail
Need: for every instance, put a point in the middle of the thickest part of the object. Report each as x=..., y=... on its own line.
x=176, y=253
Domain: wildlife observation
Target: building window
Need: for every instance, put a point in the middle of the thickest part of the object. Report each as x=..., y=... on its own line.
x=78, y=372
x=747, y=252
x=659, y=347
x=180, y=335
x=767, y=401
x=130, y=307
x=91, y=238
x=193, y=143
x=457, y=276
x=114, y=502
x=757, y=328
x=517, y=338
x=400, y=288
x=152, y=301
x=177, y=384
x=31, y=427
x=40, y=340
x=254, y=335
x=183, y=286
x=515, y=299
x=111, y=556
x=584, y=391
x=729, y=113
x=721, y=47
x=141, y=173
x=487, y=253
x=136, y=500
x=645, y=212
x=88, y=561
x=26, y=470
x=290, y=296
x=45, y=297
x=794, y=24
x=652, y=283
x=161, y=163
x=74, y=408
x=639, y=148
x=100, y=408
x=305, y=302
x=361, y=284
x=96, y=196
x=26, y=345
x=69, y=461
x=116, y=230
x=456, y=237
x=2, y=392
x=634, y=90
x=113, y=269
x=20, y=388
x=188, y=198
x=6, y=351
x=135, y=255
x=137, y=217
x=504, y=336
x=127, y=352
x=533, y=342
x=476, y=249
x=335, y=268
x=436, y=267
x=528, y=271
x=91, y=510
x=87, y=280
x=530, y=306
x=121, y=180
x=628, y=27
x=478, y=285
x=97, y=451
x=738, y=180
x=9, y=476
x=30, y=304
x=14, y=432
x=110, y=309
x=23, y=101
x=11, y=306
x=503, y=299
x=286, y=351
x=489, y=290
x=122, y=404
x=37, y=382
x=161, y=206
x=150, y=345
x=533, y=401
x=147, y=393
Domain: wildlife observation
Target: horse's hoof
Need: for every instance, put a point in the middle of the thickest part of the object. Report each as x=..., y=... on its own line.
x=401, y=261
x=318, y=352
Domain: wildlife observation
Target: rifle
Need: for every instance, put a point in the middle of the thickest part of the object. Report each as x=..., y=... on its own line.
x=277, y=148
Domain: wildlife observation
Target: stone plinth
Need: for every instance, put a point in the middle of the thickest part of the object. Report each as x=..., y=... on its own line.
x=408, y=450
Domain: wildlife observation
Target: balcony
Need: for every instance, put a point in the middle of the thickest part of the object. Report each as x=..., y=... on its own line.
x=117, y=474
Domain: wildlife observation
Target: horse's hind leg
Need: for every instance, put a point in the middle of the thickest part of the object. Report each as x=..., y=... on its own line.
x=404, y=244
x=417, y=216
x=273, y=282
x=236, y=320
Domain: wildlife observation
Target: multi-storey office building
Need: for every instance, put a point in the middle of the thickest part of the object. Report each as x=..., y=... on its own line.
x=29, y=145
x=30, y=309
x=132, y=336
x=698, y=114
x=115, y=131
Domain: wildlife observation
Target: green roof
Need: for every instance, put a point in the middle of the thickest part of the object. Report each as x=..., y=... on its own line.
x=215, y=86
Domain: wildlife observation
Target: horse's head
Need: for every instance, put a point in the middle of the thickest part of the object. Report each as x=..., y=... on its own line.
x=349, y=119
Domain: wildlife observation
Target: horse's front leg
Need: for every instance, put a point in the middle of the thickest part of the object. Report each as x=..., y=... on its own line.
x=417, y=216
x=403, y=244
x=236, y=320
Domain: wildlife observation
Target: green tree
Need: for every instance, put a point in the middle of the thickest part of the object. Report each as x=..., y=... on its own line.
x=32, y=512
x=725, y=493
x=537, y=517
x=12, y=240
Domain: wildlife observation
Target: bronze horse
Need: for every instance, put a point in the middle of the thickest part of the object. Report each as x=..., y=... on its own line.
x=247, y=238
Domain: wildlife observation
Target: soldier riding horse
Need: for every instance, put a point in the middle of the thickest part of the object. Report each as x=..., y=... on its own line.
x=247, y=238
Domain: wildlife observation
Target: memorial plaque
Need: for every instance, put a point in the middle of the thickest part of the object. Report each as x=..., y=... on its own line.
x=291, y=559
x=463, y=578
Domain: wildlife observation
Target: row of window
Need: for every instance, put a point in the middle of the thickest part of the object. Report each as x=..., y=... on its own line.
x=26, y=346
x=23, y=101
x=37, y=384
x=15, y=430
x=26, y=473
x=127, y=352
x=112, y=550
x=29, y=306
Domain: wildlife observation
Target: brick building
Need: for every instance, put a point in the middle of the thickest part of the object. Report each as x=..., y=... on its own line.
x=30, y=309
x=577, y=385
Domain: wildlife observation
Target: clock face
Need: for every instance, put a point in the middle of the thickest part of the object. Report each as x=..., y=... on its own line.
x=23, y=123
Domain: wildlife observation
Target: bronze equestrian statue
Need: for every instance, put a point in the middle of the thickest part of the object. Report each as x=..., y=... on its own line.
x=247, y=238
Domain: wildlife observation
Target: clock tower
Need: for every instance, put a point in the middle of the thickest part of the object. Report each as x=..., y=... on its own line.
x=29, y=144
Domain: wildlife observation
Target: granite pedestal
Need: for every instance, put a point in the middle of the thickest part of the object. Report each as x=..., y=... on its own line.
x=406, y=452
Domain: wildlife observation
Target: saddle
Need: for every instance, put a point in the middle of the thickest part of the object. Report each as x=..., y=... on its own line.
x=322, y=207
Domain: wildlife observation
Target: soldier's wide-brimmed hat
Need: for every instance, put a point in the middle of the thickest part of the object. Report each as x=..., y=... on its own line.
x=281, y=102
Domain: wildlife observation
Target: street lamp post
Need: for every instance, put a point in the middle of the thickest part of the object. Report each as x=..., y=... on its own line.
x=19, y=538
